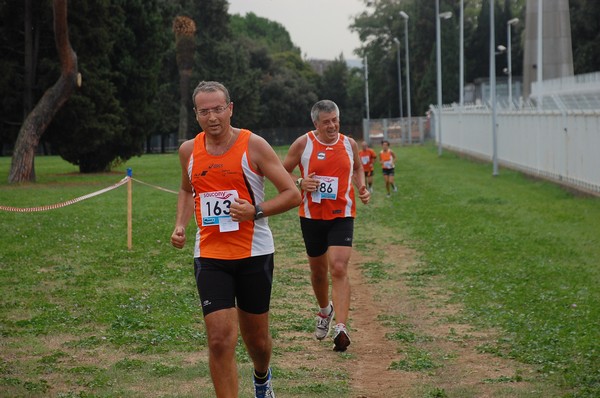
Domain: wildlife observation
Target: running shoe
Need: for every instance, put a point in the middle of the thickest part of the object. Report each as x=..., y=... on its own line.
x=264, y=390
x=341, y=340
x=324, y=324
x=395, y=188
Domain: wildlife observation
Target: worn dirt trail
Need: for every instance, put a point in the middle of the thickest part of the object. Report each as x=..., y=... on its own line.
x=461, y=370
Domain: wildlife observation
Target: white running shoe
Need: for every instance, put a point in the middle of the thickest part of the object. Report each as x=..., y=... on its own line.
x=341, y=340
x=324, y=324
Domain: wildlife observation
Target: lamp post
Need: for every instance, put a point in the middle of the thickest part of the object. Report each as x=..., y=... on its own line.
x=438, y=40
x=509, y=59
x=367, y=136
x=408, y=110
x=399, y=76
x=540, y=58
x=493, y=89
x=462, y=56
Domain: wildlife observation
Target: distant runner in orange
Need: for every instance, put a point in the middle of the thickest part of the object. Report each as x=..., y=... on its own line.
x=387, y=158
x=367, y=158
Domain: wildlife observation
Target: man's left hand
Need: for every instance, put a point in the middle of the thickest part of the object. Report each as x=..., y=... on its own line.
x=364, y=195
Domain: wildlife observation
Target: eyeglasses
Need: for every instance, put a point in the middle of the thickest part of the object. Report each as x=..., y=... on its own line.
x=217, y=110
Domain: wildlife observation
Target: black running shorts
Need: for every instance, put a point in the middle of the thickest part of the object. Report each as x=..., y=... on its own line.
x=224, y=284
x=320, y=234
x=388, y=172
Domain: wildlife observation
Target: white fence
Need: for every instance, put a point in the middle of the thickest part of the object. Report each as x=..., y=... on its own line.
x=559, y=145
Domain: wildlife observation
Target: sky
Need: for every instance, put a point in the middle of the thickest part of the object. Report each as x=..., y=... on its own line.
x=318, y=27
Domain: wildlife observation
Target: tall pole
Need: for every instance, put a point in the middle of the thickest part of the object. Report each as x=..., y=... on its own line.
x=509, y=25
x=493, y=88
x=408, y=109
x=462, y=55
x=438, y=42
x=129, y=210
x=509, y=61
x=540, y=62
x=368, y=122
x=438, y=58
x=401, y=115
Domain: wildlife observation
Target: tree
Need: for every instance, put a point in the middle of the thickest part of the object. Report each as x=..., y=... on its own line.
x=378, y=29
x=423, y=60
x=585, y=34
x=379, y=26
x=286, y=94
x=286, y=84
x=354, y=111
x=185, y=31
x=263, y=32
x=107, y=121
x=334, y=82
x=22, y=165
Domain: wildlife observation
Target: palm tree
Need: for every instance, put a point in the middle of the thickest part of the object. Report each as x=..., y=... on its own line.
x=185, y=29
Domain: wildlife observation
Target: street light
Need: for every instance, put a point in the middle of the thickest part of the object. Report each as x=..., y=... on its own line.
x=399, y=76
x=493, y=89
x=438, y=40
x=509, y=60
x=368, y=122
x=540, y=54
x=408, y=110
x=399, y=88
x=461, y=73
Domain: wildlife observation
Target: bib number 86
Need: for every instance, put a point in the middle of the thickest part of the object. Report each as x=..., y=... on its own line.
x=325, y=187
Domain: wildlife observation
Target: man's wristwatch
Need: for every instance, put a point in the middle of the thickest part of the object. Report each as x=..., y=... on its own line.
x=299, y=182
x=258, y=212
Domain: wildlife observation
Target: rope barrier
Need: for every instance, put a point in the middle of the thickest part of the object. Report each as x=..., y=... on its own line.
x=63, y=204
x=126, y=180
x=155, y=186
x=81, y=198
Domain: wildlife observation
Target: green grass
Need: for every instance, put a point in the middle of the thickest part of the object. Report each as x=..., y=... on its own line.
x=80, y=315
x=520, y=254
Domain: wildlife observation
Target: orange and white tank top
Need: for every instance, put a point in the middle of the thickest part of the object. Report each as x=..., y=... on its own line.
x=333, y=165
x=216, y=181
x=366, y=158
x=386, y=159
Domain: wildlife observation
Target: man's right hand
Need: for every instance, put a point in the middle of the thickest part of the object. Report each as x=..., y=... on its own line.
x=178, y=237
x=310, y=184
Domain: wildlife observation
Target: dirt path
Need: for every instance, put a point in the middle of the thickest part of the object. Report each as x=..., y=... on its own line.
x=457, y=368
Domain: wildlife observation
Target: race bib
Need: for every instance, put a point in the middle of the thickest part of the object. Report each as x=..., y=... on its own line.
x=326, y=190
x=215, y=210
x=388, y=164
x=365, y=159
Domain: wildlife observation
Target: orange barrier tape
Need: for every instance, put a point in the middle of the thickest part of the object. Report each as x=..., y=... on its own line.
x=63, y=204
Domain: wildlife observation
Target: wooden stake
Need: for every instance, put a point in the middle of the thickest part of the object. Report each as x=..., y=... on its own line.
x=129, y=211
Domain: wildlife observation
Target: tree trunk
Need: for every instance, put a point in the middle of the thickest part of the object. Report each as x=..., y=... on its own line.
x=22, y=165
x=185, y=77
x=185, y=44
x=28, y=70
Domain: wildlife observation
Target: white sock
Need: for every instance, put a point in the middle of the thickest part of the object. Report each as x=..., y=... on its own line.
x=327, y=310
